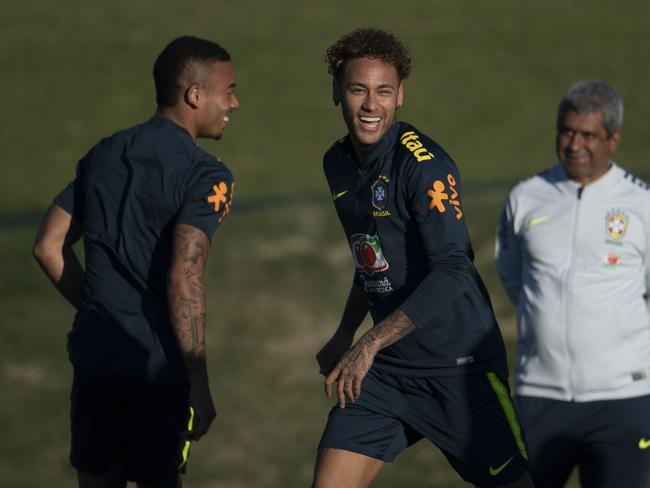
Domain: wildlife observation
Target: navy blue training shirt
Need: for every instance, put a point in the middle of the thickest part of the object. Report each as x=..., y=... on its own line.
x=400, y=207
x=129, y=192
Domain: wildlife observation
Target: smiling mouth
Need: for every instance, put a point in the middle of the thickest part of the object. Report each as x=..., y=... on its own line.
x=576, y=159
x=370, y=122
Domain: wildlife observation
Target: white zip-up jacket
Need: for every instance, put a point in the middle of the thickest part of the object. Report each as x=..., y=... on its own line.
x=576, y=263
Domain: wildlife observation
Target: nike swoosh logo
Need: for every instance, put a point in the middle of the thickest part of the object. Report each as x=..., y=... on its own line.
x=643, y=443
x=336, y=196
x=496, y=471
x=538, y=220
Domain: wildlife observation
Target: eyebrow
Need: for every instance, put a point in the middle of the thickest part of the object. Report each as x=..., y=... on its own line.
x=564, y=127
x=358, y=83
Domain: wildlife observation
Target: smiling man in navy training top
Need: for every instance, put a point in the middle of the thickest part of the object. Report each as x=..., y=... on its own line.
x=434, y=363
x=146, y=201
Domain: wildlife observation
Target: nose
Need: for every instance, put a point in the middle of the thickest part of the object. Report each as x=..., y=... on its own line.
x=370, y=102
x=234, y=103
x=576, y=140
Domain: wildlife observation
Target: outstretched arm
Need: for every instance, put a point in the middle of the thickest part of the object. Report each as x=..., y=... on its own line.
x=54, y=253
x=187, y=308
x=352, y=368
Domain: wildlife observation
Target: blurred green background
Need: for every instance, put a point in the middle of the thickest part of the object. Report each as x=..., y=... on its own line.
x=487, y=76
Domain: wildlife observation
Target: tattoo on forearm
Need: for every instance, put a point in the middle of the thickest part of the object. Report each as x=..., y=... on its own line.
x=187, y=300
x=389, y=331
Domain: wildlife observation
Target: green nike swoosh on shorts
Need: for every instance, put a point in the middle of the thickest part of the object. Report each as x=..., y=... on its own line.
x=336, y=196
x=496, y=471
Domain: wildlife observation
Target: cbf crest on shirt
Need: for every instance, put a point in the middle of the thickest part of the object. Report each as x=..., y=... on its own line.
x=616, y=224
x=380, y=197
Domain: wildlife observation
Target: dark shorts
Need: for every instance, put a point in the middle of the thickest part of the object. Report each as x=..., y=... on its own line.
x=609, y=441
x=470, y=418
x=129, y=430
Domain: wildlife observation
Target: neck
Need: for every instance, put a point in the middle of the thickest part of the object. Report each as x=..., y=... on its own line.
x=587, y=179
x=179, y=117
x=360, y=149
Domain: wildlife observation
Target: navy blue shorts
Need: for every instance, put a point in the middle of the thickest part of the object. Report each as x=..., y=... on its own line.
x=124, y=429
x=609, y=441
x=470, y=418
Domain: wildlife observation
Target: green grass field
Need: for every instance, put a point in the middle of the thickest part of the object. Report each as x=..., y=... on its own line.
x=487, y=76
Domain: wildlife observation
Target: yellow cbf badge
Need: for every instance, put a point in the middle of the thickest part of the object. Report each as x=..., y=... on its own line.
x=616, y=224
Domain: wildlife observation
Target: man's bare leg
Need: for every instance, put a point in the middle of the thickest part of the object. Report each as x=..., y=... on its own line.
x=337, y=468
x=89, y=481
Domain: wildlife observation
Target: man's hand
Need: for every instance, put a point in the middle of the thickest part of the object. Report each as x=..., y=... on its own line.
x=331, y=352
x=350, y=371
x=204, y=411
x=352, y=368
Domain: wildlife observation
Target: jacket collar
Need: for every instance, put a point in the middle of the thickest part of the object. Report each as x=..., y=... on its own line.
x=607, y=180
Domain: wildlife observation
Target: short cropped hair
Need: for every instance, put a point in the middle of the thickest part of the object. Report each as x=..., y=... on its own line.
x=593, y=96
x=182, y=63
x=368, y=42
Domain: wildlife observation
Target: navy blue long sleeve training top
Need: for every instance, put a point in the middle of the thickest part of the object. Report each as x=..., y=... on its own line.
x=400, y=207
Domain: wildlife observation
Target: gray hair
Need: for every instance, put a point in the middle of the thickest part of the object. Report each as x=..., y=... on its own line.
x=593, y=96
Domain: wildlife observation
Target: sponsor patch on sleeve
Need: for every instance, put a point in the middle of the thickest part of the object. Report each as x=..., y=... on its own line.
x=443, y=194
x=221, y=198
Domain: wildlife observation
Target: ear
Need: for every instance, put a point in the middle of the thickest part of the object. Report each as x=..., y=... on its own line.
x=400, y=95
x=336, y=92
x=614, y=140
x=192, y=96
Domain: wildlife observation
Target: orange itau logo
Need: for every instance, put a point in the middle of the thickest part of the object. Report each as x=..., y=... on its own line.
x=439, y=196
x=221, y=197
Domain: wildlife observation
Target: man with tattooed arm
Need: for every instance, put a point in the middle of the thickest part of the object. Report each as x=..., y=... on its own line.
x=146, y=201
x=433, y=366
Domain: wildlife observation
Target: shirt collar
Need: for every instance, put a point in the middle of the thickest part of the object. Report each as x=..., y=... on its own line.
x=371, y=155
x=160, y=121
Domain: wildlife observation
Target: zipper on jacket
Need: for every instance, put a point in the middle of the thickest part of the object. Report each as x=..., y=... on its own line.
x=567, y=276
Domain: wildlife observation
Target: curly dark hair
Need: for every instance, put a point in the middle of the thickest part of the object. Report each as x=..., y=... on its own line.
x=368, y=42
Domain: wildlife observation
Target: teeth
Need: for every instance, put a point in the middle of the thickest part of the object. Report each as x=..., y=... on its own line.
x=370, y=120
x=226, y=119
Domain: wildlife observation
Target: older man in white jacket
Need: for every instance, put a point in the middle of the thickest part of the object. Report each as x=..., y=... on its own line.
x=573, y=252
